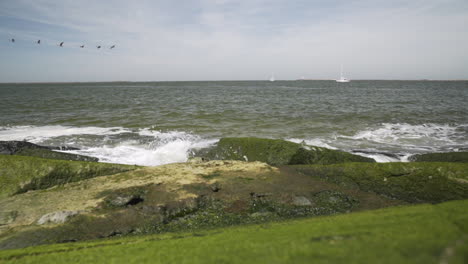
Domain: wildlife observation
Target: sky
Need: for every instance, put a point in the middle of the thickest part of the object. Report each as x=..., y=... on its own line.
x=164, y=40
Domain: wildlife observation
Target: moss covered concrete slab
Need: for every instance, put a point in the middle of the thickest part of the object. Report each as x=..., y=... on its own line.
x=276, y=152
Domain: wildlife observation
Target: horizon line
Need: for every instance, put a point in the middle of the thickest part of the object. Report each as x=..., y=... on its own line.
x=258, y=80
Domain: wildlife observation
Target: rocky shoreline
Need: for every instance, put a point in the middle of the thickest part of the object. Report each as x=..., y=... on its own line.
x=47, y=197
x=24, y=148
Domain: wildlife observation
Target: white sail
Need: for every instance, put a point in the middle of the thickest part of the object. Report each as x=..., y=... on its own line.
x=342, y=78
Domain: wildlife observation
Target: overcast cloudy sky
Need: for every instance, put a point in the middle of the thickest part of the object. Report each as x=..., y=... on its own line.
x=232, y=40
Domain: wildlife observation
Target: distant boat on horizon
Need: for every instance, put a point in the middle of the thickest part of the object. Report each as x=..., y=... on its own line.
x=272, y=78
x=342, y=78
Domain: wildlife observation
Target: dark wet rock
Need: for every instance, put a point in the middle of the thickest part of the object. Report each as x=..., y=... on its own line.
x=63, y=148
x=124, y=200
x=260, y=195
x=23, y=148
x=215, y=187
x=12, y=147
x=440, y=157
x=275, y=152
x=49, y=154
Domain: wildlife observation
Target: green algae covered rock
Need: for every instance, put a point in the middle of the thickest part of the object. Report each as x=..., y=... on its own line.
x=441, y=157
x=276, y=152
x=432, y=182
x=20, y=174
x=410, y=234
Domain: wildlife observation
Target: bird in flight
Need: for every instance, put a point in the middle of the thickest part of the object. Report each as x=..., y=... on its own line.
x=12, y=40
x=61, y=44
x=113, y=46
x=98, y=47
x=38, y=42
x=82, y=46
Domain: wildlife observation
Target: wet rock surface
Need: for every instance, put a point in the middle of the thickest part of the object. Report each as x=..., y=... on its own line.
x=24, y=148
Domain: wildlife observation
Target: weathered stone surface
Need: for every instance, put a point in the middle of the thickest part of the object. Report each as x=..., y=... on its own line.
x=11, y=147
x=58, y=217
x=301, y=201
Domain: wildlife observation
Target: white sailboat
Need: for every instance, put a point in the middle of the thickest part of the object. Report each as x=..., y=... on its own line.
x=342, y=79
x=272, y=78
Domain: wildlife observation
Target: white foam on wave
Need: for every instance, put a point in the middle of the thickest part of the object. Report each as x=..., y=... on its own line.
x=381, y=158
x=312, y=142
x=425, y=135
x=128, y=146
x=378, y=158
x=173, y=151
x=401, y=139
x=165, y=148
x=37, y=134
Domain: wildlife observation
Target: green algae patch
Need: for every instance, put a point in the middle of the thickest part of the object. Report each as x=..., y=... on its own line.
x=276, y=152
x=411, y=182
x=441, y=157
x=192, y=197
x=175, y=198
x=20, y=174
x=49, y=154
x=410, y=234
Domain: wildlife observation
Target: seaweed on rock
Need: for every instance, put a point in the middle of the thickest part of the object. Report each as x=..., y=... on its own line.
x=275, y=152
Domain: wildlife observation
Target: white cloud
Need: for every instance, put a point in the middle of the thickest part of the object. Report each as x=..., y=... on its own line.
x=226, y=39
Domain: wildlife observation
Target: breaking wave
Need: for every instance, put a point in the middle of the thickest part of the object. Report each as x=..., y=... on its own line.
x=386, y=142
x=115, y=145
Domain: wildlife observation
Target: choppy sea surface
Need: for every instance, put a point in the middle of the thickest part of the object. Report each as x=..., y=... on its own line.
x=153, y=123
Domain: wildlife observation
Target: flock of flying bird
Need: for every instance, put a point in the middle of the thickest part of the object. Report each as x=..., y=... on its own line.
x=61, y=44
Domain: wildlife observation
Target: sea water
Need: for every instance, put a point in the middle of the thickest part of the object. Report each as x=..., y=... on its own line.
x=153, y=123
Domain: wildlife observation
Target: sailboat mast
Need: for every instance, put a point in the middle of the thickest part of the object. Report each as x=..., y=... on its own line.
x=341, y=72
